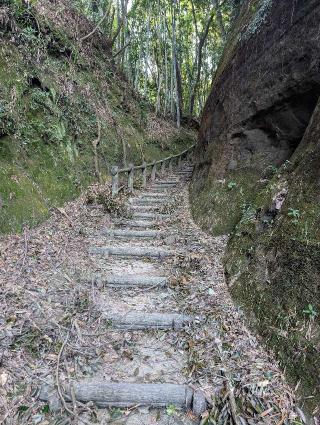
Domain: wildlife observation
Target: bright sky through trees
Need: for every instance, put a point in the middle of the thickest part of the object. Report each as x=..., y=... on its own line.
x=168, y=49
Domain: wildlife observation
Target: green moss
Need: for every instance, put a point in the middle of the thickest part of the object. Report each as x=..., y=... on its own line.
x=273, y=269
x=22, y=202
x=272, y=261
x=48, y=121
x=275, y=283
x=219, y=204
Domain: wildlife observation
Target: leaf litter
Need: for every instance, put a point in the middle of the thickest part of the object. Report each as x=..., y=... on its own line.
x=51, y=329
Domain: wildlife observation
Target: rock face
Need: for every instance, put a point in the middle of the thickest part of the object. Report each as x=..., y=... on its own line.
x=258, y=173
x=262, y=99
x=266, y=88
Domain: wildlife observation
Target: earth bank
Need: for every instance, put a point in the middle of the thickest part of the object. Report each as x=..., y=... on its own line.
x=66, y=113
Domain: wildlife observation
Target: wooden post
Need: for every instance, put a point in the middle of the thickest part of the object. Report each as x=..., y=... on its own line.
x=115, y=180
x=163, y=168
x=130, y=178
x=170, y=165
x=144, y=174
x=154, y=171
x=179, y=162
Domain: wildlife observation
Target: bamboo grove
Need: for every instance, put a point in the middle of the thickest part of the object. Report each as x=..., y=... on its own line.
x=168, y=49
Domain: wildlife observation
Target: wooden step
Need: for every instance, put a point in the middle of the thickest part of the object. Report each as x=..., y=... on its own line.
x=142, y=320
x=143, y=223
x=124, y=233
x=149, y=215
x=153, y=195
x=125, y=395
x=166, y=182
x=145, y=207
x=150, y=252
x=150, y=201
x=161, y=189
x=132, y=280
x=164, y=185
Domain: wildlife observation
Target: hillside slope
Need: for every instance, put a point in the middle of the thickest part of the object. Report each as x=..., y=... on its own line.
x=257, y=177
x=59, y=98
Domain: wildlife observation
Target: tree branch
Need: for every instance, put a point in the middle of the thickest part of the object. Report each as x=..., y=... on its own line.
x=121, y=50
x=95, y=28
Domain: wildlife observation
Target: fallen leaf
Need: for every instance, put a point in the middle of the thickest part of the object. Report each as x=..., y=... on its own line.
x=3, y=379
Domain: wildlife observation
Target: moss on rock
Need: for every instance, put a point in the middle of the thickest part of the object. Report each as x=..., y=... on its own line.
x=257, y=177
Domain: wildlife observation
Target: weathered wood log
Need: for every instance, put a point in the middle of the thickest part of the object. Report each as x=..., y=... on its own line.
x=150, y=201
x=162, y=189
x=143, y=223
x=132, y=281
x=153, y=194
x=124, y=233
x=142, y=320
x=149, y=215
x=126, y=395
x=144, y=174
x=131, y=251
x=115, y=180
x=199, y=404
x=164, y=186
x=131, y=178
x=145, y=207
x=165, y=182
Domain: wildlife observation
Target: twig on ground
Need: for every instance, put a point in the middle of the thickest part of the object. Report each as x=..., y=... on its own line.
x=61, y=211
x=25, y=246
x=57, y=376
x=66, y=408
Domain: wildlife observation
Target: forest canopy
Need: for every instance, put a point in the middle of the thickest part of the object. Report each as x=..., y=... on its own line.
x=168, y=50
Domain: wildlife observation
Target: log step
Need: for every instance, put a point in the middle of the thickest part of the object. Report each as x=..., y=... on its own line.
x=149, y=252
x=153, y=195
x=161, y=189
x=124, y=233
x=149, y=201
x=143, y=320
x=166, y=182
x=163, y=185
x=143, y=223
x=125, y=395
x=132, y=280
x=145, y=207
x=147, y=198
x=148, y=215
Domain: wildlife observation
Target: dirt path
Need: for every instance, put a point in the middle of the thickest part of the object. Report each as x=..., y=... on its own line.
x=80, y=307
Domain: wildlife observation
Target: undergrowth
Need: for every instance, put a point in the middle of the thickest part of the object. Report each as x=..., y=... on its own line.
x=56, y=99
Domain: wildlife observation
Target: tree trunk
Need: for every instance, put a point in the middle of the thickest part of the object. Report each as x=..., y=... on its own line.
x=175, y=64
x=199, y=63
x=219, y=19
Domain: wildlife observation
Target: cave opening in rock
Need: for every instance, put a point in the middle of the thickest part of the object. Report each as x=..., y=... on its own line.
x=289, y=120
x=275, y=133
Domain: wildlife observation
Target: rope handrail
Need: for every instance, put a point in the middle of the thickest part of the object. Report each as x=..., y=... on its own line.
x=115, y=170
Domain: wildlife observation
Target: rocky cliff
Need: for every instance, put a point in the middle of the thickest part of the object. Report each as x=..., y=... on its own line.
x=258, y=177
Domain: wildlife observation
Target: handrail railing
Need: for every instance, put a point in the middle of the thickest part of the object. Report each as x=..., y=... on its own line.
x=130, y=170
